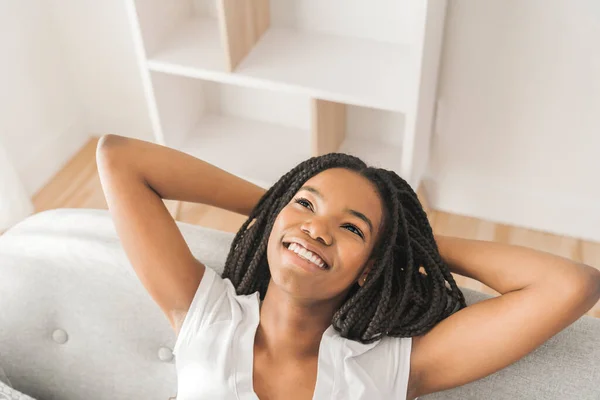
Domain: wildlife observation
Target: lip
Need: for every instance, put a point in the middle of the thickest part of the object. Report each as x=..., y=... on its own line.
x=294, y=259
x=310, y=248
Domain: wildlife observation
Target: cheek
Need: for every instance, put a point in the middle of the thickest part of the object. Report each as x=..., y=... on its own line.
x=279, y=226
x=352, y=256
x=280, y=221
x=283, y=219
x=277, y=230
x=351, y=259
x=273, y=241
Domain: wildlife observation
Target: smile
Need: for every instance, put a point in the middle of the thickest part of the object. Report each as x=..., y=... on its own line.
x=307, y=255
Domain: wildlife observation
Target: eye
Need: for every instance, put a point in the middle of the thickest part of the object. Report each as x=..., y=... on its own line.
x=354, y=230
x=304, y=203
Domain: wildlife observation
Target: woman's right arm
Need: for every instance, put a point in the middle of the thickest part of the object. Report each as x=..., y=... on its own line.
x=135, y=177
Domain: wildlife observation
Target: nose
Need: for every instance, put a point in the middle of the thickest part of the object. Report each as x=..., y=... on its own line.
x=318, y=230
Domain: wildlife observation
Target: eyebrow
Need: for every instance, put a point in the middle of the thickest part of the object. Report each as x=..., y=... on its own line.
x=357, y=214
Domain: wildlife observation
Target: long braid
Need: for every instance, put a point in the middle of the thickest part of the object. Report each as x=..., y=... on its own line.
x=397, y=299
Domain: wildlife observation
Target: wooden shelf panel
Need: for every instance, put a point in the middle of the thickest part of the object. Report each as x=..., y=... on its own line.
x=335, y=68
x=256, y=151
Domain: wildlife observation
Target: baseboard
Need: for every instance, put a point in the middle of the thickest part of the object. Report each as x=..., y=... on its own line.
x=48, y=157
x=558, y=213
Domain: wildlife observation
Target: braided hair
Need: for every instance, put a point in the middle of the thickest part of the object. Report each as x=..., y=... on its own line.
x=397, y=299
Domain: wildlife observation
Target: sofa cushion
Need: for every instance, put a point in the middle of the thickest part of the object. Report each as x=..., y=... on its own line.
x=91, y=328
x=8, y=393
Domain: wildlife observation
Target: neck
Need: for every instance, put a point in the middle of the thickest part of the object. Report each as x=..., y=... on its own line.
x=290, y=327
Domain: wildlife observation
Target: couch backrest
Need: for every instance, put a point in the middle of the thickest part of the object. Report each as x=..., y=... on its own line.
x=567, y=366
x=76, y=323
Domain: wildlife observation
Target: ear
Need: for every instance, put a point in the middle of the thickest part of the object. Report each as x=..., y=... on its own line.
x=364, y=275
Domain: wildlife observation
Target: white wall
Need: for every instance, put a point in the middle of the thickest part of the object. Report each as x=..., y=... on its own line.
x=102, y=61
x=517, y=139
x=40, y=125
x=70, y=73
x=518, y=134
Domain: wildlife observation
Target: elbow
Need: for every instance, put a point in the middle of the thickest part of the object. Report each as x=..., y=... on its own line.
x=592, y=277
x=107, y=148
x=109, y=142
x=594, y=281
x=585, y=290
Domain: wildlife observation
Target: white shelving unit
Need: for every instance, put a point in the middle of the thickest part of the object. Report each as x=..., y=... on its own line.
x=256, y=86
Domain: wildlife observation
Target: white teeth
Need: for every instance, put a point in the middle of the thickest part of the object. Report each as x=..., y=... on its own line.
x=316, y=260
x=306, y=254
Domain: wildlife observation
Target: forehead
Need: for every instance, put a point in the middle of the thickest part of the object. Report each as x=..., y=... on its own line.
x=347, y=189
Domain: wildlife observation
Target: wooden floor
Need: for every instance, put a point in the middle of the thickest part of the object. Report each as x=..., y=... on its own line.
x=77, y=185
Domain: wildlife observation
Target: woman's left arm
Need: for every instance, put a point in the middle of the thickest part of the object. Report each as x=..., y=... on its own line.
x=508, y=268
x=541, y=295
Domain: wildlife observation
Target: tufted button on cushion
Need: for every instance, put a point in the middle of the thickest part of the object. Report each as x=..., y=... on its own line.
x=165, y=354
x=60, y=336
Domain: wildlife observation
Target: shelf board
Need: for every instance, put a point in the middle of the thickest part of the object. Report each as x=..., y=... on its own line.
x=335, y=68
x=257, y=151
x=375, y=154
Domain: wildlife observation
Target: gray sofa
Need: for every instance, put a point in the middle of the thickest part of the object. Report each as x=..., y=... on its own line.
x=75, y=322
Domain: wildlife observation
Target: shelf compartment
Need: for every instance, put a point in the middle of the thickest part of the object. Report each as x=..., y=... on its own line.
x=255, y=134
x=196, y=43
x=374, y=154
x=347, y=52
x=373, y=135
x=183, y=32
x=256, y=151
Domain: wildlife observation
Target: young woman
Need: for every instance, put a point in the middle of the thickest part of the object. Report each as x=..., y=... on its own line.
x=334, y=288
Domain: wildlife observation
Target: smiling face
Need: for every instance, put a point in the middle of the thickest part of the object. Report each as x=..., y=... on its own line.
x=321, y=241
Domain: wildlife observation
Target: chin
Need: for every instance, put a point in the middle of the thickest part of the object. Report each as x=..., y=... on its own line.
x=288, y=277
x=287, y=280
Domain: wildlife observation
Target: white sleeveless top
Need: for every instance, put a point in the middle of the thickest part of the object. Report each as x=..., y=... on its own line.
x=215, y=348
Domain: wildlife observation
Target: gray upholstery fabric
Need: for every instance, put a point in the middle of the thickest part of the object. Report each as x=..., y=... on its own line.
x=3, y=378
x=65, y=270
x=565, y=367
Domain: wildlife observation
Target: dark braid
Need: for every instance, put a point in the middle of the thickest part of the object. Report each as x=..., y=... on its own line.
x=397, y=299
